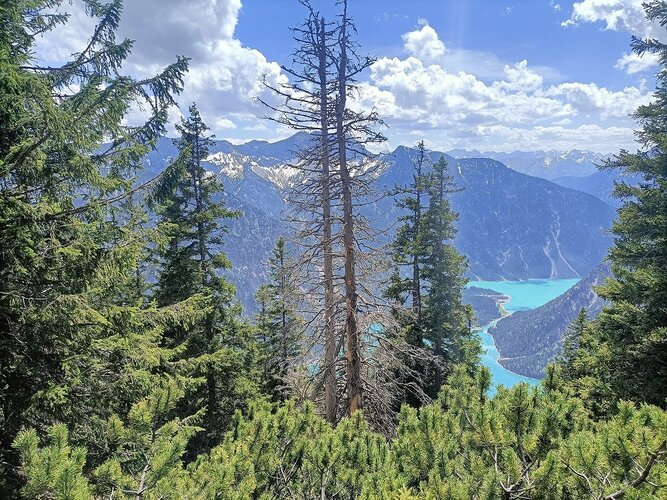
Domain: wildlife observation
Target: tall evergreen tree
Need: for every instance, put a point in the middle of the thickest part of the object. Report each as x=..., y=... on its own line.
x=278, y=323
x=571, y=342
x=407, y=247
x=70, y=327
x=443, y=267
x=632, y=331
x=192, y=216
x=407, y=254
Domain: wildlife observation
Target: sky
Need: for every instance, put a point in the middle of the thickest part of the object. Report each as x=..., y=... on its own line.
x=490, y=75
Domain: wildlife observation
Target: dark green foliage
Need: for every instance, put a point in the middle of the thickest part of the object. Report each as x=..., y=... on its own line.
x=629, y=340
x=279, y=328
x=113, y=386
x=446, y=328
x=76, y=342
x=427, y=304
x=219, y=347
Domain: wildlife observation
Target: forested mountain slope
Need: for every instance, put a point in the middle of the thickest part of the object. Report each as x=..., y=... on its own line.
x=528, y=340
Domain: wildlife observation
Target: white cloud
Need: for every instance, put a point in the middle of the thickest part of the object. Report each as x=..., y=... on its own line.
x=424, y=43
x=445, y=94
x=633, y=63
x=513, y=110
x=618, y=15
x=588, y=99
x=621, y=15
x=520, y=78
x=225, y=76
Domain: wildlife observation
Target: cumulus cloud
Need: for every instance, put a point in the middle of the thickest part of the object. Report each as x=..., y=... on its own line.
x=589, y=98
x=519, y=78
x=433, y=91
x=621, y=15
x=516, y=109
x=225, y=76
x=424, y=43
x=633, y=63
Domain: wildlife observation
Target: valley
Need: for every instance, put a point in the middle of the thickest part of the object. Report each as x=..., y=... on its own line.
x=515, y=296
x=523, y=236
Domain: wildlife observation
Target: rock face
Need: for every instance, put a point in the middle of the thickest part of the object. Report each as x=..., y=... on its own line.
x=511, y=226
x=528, y=340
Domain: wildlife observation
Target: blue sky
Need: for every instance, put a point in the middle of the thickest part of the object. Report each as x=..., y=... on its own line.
x=482, y=74
x=511, y=31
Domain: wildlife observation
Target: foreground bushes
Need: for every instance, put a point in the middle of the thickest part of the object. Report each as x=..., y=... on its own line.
x=523, y=443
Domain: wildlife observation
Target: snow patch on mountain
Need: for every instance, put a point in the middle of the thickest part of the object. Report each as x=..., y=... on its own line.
x=229, y=164
x=279, y=175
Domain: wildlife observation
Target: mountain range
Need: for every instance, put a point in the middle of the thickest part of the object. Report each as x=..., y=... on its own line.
x=544, y=164
x=511, y=225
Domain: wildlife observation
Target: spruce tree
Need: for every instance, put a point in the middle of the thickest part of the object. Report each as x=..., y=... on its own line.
x=278, y=324
x=443, y=267
x=632, y=330
x=70, y=326
x=407, y=254
x=407, y=247
x=571, y=342
x=192, y=215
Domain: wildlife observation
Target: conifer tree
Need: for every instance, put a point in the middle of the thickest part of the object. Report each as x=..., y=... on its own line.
x=407, y=247
x=443, y=267
x=278, y=323
x=192, y=262
x=632, y=330
x=70, y=327
x=407, y=254
x=571, y=342
x=307, y=102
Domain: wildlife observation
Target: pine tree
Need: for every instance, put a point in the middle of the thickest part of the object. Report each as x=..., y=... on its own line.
x=443, y=268
x=407, y=254
x=571, y=343
x=192, y=215
x=407, y=247
x=278, y=323
x=70, y=325
x=524, y=443
x=632, y=331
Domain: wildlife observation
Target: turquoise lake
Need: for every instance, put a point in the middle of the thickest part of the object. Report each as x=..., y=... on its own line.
x=524, y=295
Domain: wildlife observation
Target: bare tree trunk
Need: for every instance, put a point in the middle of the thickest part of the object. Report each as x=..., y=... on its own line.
x=352, y=348
x=330, y=402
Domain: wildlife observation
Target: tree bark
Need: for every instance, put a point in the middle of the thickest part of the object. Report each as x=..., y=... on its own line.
x=330, y=400
x=352, y=354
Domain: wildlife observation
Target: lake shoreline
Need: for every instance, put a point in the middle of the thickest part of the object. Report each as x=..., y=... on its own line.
x=515, y=296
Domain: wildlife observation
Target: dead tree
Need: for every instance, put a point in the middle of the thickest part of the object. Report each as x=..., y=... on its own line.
x=354, y=130
x=305, y=107
x=341, y=256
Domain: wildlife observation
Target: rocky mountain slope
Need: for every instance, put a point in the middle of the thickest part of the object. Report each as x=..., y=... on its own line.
x=511, y=226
